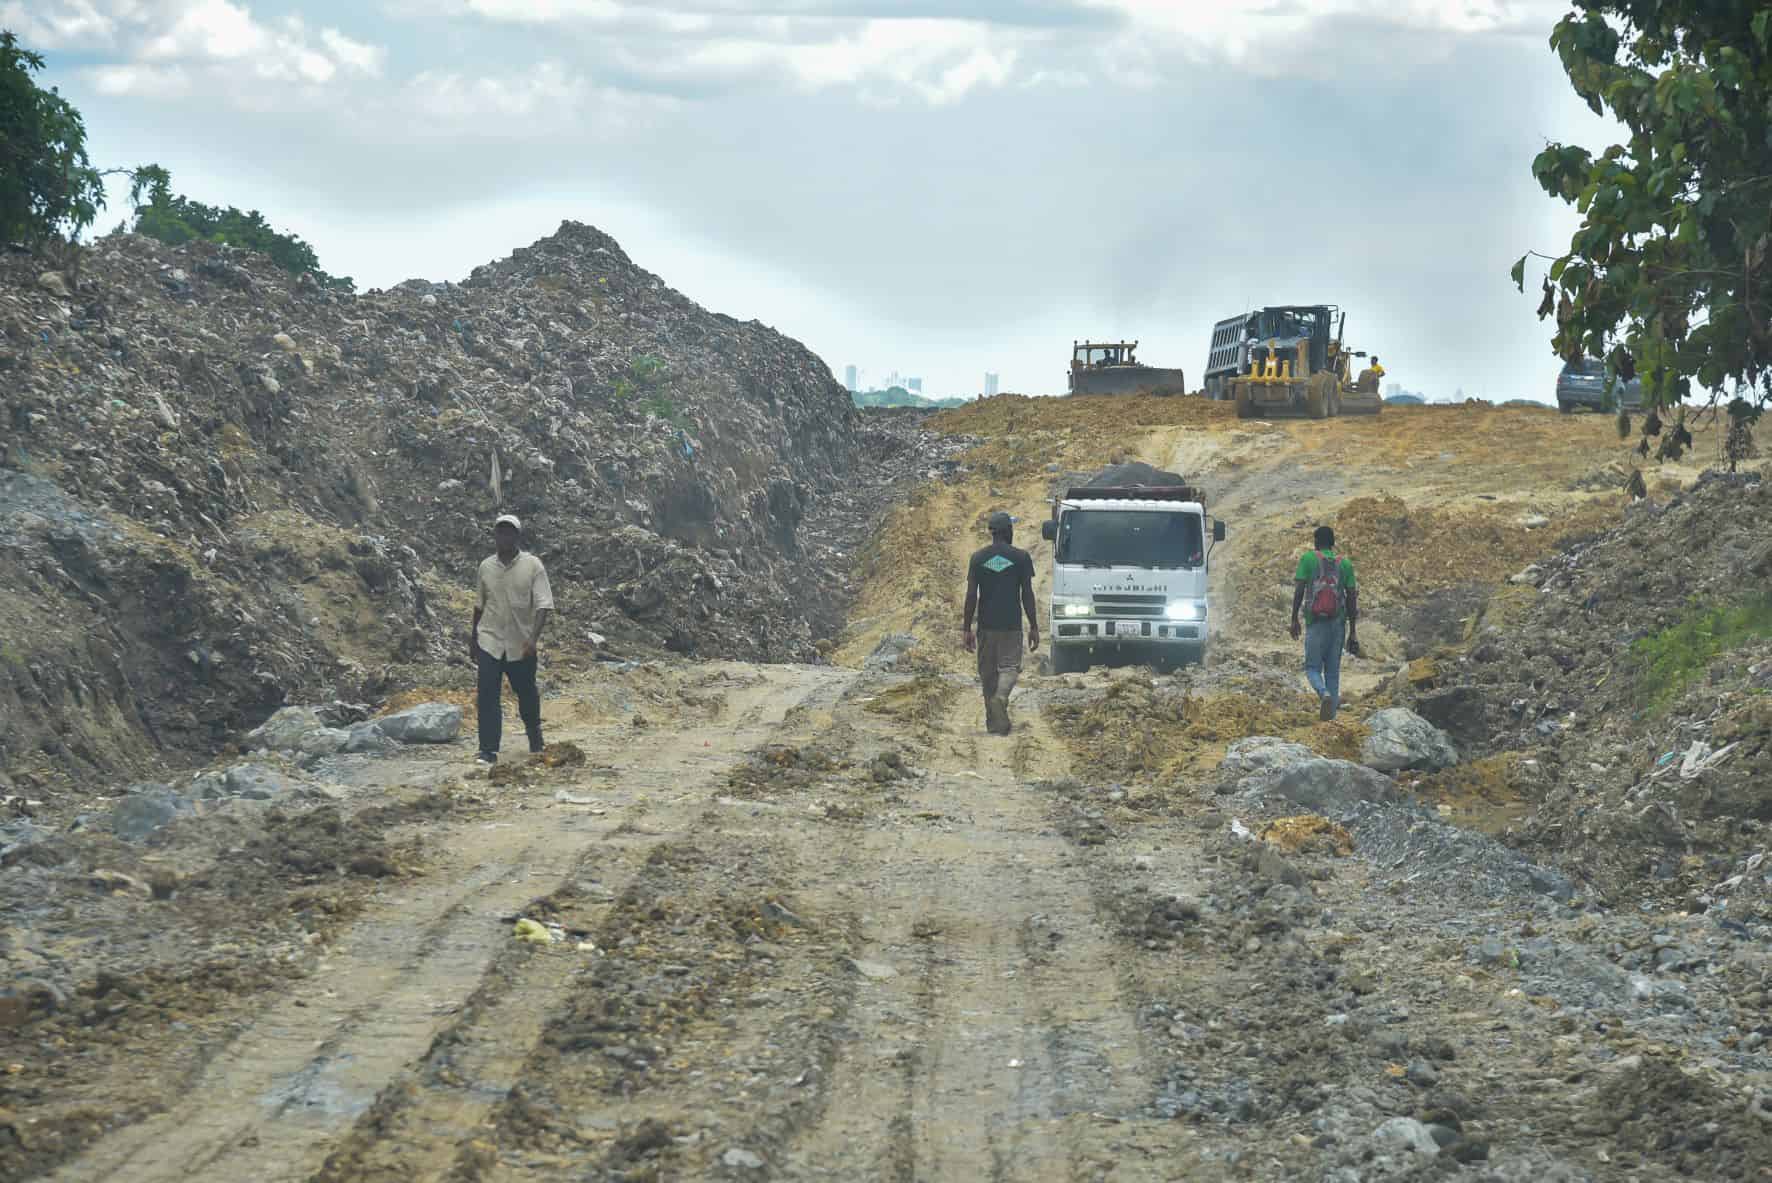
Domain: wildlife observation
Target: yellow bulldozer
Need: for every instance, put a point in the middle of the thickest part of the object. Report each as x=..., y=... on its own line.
x=1282, y=361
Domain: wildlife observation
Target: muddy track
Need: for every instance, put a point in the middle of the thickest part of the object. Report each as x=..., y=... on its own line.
x=373, y=1037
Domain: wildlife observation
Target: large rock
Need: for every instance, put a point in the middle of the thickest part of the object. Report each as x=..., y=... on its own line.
x=1459, y=711
x=24, y=842
x=1401, y=739
x=1407, y=1135
x=368, y=738
x=254, y=781
x=1263, y=753
x=428, y=722
x=891, y=648
x=147, y=809
x=1328, y=787
x=298, y=729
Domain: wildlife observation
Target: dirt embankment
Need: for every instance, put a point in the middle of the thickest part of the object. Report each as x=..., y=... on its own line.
x=222, y=489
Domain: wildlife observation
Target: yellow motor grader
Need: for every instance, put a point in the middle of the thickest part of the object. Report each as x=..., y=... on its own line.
x=1282, y=361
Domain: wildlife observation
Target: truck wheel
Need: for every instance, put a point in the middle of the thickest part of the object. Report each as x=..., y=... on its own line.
x=1067, y=660
x=1565, y=408
x=1245, y=406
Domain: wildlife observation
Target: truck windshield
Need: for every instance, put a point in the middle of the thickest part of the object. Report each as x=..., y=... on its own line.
x=1129, y=538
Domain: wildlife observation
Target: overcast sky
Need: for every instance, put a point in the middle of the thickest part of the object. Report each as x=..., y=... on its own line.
x=941, y=187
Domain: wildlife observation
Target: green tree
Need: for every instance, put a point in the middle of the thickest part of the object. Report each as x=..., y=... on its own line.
x=48, y=188
x=1669, y=276
x=176, y=219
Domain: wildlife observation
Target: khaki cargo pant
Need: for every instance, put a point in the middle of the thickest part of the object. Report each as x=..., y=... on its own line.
x=999, y=665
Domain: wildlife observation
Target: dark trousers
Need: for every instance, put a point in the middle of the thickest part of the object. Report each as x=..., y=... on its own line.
x=521, y=672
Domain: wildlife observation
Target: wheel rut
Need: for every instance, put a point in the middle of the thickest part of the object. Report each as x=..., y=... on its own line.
x=420, y=1019
x=988, y=1038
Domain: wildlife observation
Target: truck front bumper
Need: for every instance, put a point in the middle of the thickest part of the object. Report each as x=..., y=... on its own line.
x=1130, y=632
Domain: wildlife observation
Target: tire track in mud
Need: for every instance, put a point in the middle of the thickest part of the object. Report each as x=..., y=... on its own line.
x=989, y=1038
x=373, y=1041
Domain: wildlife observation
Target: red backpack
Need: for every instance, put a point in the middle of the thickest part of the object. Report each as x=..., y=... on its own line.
x=1327, y=595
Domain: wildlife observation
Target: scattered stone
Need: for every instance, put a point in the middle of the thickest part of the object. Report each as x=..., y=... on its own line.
x=742, y=1159
x=24, y=843
x=874, y=970
x=298, y=729
x=251, y=781
x=891, y=648
x=1459, y=711
x=25, y=999
x=430, y=722
x=117, y=881
x=368, y=738
x=147, y=809
x=1406, y=1134
x=1422, y=1074
x=54, y=283
x=1402, y=739
x=1263, y=753
x=1328, y=787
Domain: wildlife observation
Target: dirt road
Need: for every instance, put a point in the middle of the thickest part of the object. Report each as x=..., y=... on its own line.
x=812, y=922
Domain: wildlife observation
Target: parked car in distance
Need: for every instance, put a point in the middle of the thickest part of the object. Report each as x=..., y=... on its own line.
x=1583, y=384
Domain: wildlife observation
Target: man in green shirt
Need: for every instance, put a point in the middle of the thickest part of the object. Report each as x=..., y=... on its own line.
x=1324, y=584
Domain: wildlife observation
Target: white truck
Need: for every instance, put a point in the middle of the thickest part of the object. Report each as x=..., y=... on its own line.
x=1129, y=567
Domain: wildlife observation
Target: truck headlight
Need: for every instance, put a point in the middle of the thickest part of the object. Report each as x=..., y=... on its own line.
x=1185, y=610
x=1074, y=609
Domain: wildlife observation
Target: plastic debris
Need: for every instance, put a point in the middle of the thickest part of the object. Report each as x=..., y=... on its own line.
x=533, y=932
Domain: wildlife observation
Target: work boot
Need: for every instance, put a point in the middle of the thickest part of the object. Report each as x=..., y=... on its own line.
x=995, y=717
x=535, y=744
x=1325, y=707
x=487, y=757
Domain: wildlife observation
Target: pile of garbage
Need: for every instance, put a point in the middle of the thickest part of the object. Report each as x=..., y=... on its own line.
x=223, y=489
x=1633, y=672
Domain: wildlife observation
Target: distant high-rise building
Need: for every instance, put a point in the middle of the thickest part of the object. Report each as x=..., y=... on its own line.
x=849, y=378
x=914, y=385
x=990, y=384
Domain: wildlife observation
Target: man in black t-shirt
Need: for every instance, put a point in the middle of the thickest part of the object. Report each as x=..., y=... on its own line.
x=999, y=588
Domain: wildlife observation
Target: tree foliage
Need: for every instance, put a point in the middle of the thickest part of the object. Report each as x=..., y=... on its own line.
x=175, y=219
x=1668, y=277
x=48, y=188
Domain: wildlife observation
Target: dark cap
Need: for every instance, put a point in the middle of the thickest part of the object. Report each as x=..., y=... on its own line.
x=1000, y=521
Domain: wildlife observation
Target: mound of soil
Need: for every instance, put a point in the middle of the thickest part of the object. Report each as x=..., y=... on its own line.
x=222, y=489
x=1630, y=674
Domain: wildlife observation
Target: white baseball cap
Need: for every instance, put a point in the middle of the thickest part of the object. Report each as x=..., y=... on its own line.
x=509, y=519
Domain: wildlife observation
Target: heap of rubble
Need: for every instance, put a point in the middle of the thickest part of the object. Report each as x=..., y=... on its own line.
x=222, y=489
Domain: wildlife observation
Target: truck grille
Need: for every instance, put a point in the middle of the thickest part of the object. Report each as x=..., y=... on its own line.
x=1130, y=605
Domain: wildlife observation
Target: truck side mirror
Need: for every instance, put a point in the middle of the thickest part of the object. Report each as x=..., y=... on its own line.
x=1049, y=530
x=1217, y=530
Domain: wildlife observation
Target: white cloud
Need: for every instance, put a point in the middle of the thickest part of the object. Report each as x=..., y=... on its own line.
x=355, y=55
x=549, y=11
x=547, y=89
x=58, y=24
x=162, y=48
x=209, y=29
x=1270, y=36
x=141, y=80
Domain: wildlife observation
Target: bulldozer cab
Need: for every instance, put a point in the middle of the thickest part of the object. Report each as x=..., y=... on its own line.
x=1092, y=355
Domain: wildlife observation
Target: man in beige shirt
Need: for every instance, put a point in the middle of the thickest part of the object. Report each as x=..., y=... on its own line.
x=512, y=610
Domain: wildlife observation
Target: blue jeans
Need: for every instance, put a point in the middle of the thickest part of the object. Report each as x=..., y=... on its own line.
x=1323, y=642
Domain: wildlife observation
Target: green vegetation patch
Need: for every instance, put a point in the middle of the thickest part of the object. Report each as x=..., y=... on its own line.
x=1665, y=663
